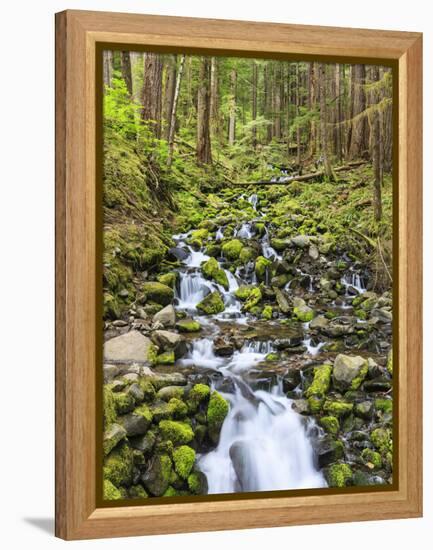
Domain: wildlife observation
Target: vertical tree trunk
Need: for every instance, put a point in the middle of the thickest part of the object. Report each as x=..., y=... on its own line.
x=358, y=140
x=338, y=113
x=375, y=148
x=152, y=92
x=277, y=101
x=204, y=154
x=232, y=107
x=268, y=99
x=254, y=102
x=313, y=88
x=323, y=124
x=298, y=106
x=107, y=66
x=172, y=125
x=125, y=64
x=214, y=98
x=169, y=89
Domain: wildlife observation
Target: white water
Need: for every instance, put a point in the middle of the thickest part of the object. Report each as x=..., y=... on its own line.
x=354, y=280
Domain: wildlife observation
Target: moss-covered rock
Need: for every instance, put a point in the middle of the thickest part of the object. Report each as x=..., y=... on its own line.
x=384, y=405
x=124, y=402
x=158, y=292
x=118, y=465
x=244, y=291
x=338, y=475
x=261, y=266
x=211, y=304
x=253, y=299
x=168, y=279
x=109, y=406
x=389, y=362
x=337, y=408
x=247, y=254
x=188, y=325
x=180, y=433
x=232, y=249
x=349, y=372
x=198, y=237
x=111, y=492
x=371, y=458
x=159, y=475
x=137, y=491
x=212, y=270
x=267, y=312
x=330, y=424
x=183, y=458
x=112, y=436
x=197, y=483
x=217, y=410
x=166, y=358
x=198, y=394
x=381, y=439
x=303, y=313
x=321, y=381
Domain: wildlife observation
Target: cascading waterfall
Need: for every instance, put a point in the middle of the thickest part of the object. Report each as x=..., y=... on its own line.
x=264, y=444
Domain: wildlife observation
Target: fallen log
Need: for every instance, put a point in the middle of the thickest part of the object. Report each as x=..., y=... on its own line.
x=305, y=177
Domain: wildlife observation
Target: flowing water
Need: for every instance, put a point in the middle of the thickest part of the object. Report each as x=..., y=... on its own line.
x=264, y=444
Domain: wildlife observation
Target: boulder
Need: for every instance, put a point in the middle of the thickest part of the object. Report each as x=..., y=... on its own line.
x=223, y=346
x=158, y=292
x=138, y=422
x=211, y=304
x=365, y=410
x=188, y=325
x=301, y=241
x=329, y=450
x=166, y=317
x=169, y=341
x=313, y=252
x=212, y=270
x=112, y=436
x=178, y=253
x=143, y=443
x=282, y=301
x=129, y=347
x=319, y=322
x=349, y=372
x=158, y=475
x=168, y=392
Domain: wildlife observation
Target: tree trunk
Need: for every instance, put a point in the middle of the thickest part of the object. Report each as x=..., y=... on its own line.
x=277, y=101
x=268, y=99
x=107, y=67
x=338, y=113
x=323, y=124
x=375, y=148
x=204, y=154
x=152, y=92
x=172, y=125
x=214, y=99
x=170, y=85
x=125, y=64
x=232, y=107
x=254, y=103
x=358, y=139
x=298, y=112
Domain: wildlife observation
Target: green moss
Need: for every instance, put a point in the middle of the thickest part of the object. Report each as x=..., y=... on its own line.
x=358, y=380
x=137, y=491
x=188, y=325
x=111, y=492
x=166, y=358
x=124, y=402
x=381, y=439
x=384, y=405
x=145, y=412
x=158, y=292
x=372, y=458
x=321, y=381
x=247, y=254
x=198, y=236
x=177, y=408
x=338, y=475
x=172, y=492
x=168, y=279
x=183, y=458
x=267, y=312
x=272, y=357
x=361, y=314
x=244, y=291
x=211, y=304
x=330, y=424
x=315, y=404
x=337, y=408
x=253, y=299
x=232, y=249
x=217, y=410
x=196, y=483
x=303, y=313
x=261, y=266
x=179, y=432
x=147, y=389
x=211, y=270
x=389, y=363
x=118, y=465
x=110, y=412
x=198, y=394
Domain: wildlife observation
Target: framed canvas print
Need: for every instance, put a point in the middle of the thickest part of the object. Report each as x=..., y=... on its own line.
x=238, y=274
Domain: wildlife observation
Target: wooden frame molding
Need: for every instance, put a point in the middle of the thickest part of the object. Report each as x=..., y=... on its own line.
x=77, y=35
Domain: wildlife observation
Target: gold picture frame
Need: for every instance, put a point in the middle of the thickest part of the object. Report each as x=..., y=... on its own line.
x=80, y=38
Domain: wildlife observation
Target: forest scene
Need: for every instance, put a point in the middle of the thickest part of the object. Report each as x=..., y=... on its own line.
x=247, y=275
